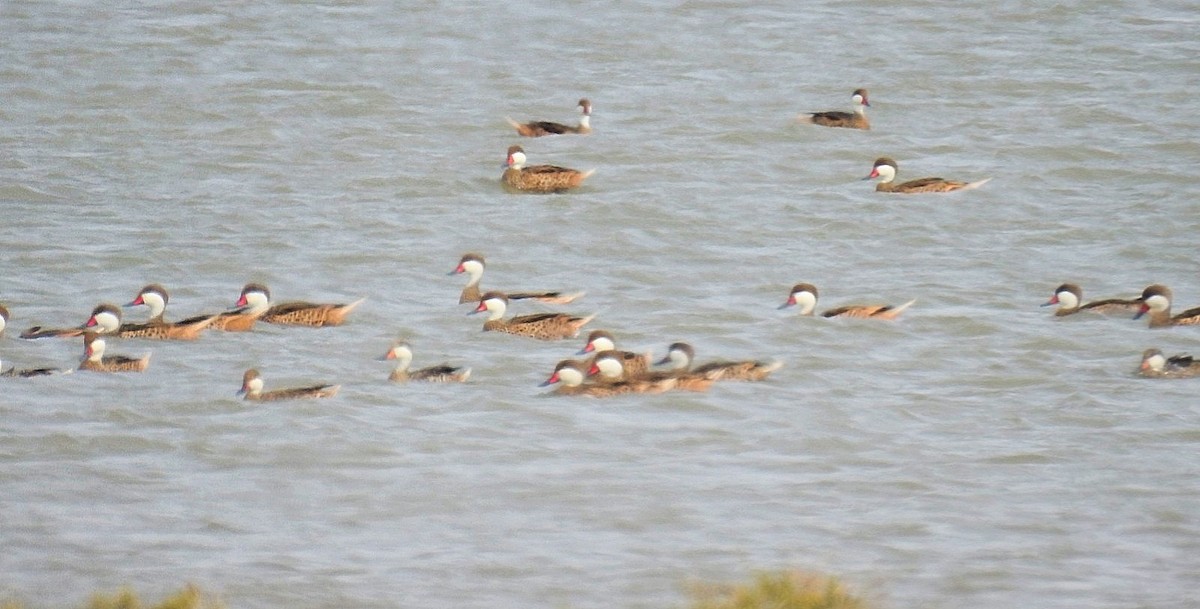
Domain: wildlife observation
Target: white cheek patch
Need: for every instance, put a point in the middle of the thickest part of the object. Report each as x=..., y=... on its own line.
x=602, y=344
x=858, y=100
x=679, y=359
x=107, y=321
x=155, y=302
x=1067, y=300
x=1157, y=362
x=886, y=173
x=570, y=377
x=255, y=385
x=1158, y=303
x=473, y=268
x=806, y=301
x=609, y=367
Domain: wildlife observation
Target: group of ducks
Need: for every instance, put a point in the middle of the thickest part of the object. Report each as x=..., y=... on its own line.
x=520, y=177
x=253, y=305
x=1155, y=302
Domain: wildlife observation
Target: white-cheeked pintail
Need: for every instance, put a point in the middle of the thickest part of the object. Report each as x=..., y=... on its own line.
x=836, y=118
x=256, y=300
x=1157, y=365
x=473, y=264
x=1069, y=298
x=442, y=373
x=680, y=356
x=95, y=360
x=885, y=169
x=542, y=326
x=539, y=178
x=804, y=295
x=570, y=375
x=540, y=128
x=252, y=388
x=1156, y=301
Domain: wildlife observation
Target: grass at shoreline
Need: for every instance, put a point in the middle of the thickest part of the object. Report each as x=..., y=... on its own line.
x=777, y=590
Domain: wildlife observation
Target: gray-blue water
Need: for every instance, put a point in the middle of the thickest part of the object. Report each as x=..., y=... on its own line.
x=975, y=453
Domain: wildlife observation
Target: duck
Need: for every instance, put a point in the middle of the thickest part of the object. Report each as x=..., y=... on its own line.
x=401, y=351
x=95, y=360
x=602, y=341
x=852, y=120
x=680, y=355
x=1155, y=364
x=540, y=128
x=569, y=375
x=252, y=389
x=539, y=178
x=1156, y=300
x=886, y=168
x=28, y=372
x=106, y=319
x=473, y=264
x=542, y=326
x=608, y=368
x=255, y=299
x=804, y=295
x=155, y=297
x=1068, y=297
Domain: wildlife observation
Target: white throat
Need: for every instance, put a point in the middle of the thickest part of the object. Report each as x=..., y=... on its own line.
x=155, y=302
x=610, y=367
x=403, y=356
x=571, y=377
x=887, y=173
x=96, y=350
x=517, y=160
x=254, y=387
x=1158, y=303
x=679, y=359
x=496, y=308
x=1067, y=300
x=806, y=301
x=257, y=303
x=474, y=271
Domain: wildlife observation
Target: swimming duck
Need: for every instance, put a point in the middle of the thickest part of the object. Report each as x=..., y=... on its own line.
x=95, y=360
x=602, y=341
x=853, y=120
x=1068, y=297
x=539, y=178
x=608, y=368
x=472, y=264
x=1155, y=364
x=1156, y=300
x=540, y=128
x=680, y=356
x=28, y=372
x=252, y=388
x=106, y=319
x=886, y=169
x=542, y=326
x=569, y=375
x=443, y=373
x=256, y=300
x=805, y=295
x=155, y=297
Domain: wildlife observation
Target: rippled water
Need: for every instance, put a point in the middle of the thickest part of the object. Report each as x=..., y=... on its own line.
x=976, y=453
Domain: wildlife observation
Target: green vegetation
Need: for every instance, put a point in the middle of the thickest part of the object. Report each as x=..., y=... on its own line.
x=777, y=590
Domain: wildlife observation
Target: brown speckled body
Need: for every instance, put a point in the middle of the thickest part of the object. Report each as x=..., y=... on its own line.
x=542, y=326
x=473, y=264
x=856, y=311
x=850, y=120
x=1069, y=297
x=95, y=360
x=569, y=376
x=1157, y=365
x=1156, y=301
x=541, y=128
x=683, y=380
x=183, y=330
x=539, y=178
x=309, y=314
x=252, y=388
x=887, y=169
x=682, y=354
x=234, y=321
